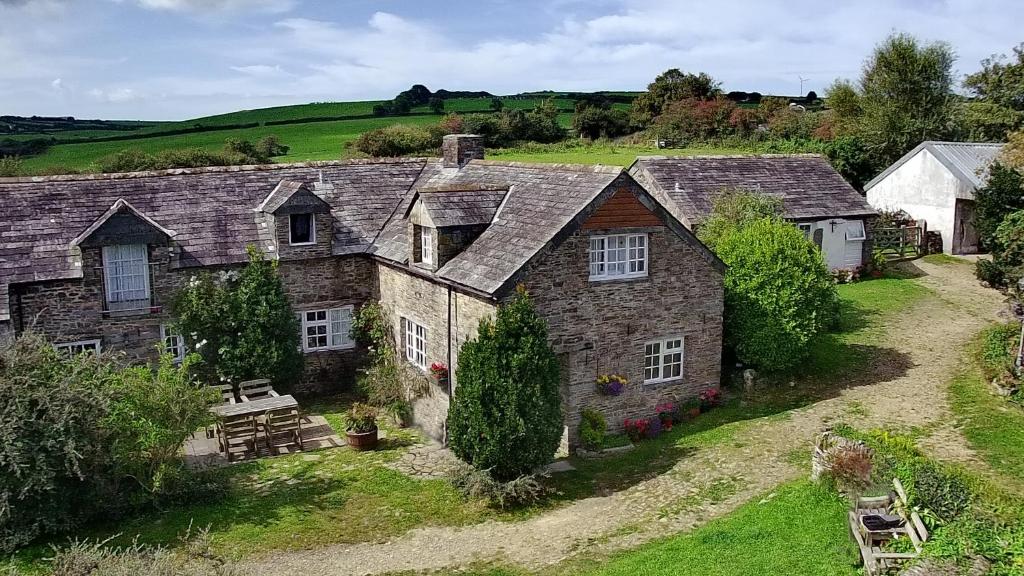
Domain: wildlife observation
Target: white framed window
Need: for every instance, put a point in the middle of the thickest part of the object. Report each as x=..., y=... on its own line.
x=74, y=348
x=174, y=344
x=415, y=344
x=426, y=245
x=663, y=360
x=618, y=256
x=855, y=230
x=806, y=229
x=301, y=229
x=327, y=329
x=126, y=275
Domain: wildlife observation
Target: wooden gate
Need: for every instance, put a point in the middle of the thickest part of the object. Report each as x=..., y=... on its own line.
x=899, y=243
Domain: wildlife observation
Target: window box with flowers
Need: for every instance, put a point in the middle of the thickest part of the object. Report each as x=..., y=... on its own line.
x=439, y=372
x=611, y=384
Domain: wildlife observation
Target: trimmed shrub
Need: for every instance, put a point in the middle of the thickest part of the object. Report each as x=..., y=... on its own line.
x=480, y=485
x=778, y=291
x=990, y=272
x=592, y=429
x=506, y=416
x=396, y=140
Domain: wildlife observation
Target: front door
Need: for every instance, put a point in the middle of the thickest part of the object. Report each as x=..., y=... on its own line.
x=965, y=236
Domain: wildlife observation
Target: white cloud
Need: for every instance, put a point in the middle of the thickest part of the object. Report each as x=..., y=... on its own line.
x=115, y=95
x=207, y=6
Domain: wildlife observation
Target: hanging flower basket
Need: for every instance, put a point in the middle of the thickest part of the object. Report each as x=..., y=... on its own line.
x=611, y=384
x=440, y=373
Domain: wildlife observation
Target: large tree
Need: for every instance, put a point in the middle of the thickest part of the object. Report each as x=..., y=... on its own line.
x=506, y=414
x=672, y=86
x=1000, y=80
x=905, y=96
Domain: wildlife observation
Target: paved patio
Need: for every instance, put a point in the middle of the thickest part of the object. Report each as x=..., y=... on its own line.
x=203, y=452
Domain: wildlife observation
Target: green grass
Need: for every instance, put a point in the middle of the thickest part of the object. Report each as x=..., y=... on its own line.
x=597, y=154
x=797, y=529
x=944, y=259
x=993, y=425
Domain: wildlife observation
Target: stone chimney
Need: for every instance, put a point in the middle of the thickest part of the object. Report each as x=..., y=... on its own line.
x=458, y=149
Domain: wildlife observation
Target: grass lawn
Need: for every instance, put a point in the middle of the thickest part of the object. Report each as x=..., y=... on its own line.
x=597, y=154
x=798, y=529
x=994, y=426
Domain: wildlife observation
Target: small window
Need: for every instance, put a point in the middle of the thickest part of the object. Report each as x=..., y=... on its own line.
x=618, y=256
x=301, y=229
x=855, y=230
x=415, y=344
x=75, y=348
x=174, y=344
x=806, y=229
x=126, y=275
x=663, y=360
x=426, y=245
x=327, y=329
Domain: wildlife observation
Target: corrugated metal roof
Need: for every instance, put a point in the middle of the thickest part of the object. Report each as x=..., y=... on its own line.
x=968, y=161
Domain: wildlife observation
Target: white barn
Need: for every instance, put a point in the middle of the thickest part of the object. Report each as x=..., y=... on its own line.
x=935, y=182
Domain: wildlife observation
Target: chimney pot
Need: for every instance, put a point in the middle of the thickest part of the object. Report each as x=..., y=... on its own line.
x=459, y=149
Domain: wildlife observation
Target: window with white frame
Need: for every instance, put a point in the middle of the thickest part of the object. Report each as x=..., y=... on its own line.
x=426, y=245
x=618, y=256
x=126, y=275
x=663, y=360
x=174, y=344
x=301, y=229
x=806, y=229
x=415, y=343
x=327, y=329
x=75, y=348
x=855, y=230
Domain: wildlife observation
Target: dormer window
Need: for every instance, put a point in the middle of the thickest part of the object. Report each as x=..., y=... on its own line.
x=426, y=245
x=301, y=229
x=126, y=276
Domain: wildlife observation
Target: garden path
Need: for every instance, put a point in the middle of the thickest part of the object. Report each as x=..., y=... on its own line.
x=926, y=341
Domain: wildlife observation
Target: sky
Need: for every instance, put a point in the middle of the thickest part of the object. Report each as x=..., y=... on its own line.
x=179, y=59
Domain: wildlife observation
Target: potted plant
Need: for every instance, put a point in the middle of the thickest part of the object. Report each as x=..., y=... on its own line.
x=362, y=427
x=440, y=373
x=666, y=412
x=611, y=384
x=689, y=410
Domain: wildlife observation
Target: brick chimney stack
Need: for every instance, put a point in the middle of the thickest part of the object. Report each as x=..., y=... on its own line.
x=459, y=149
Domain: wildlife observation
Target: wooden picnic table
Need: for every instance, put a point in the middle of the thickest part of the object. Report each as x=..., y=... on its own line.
x=260, y=406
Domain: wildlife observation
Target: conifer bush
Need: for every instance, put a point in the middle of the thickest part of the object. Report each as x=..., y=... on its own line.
x=506, y=415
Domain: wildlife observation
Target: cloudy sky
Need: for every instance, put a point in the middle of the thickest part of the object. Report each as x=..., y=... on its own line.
x=176, y=59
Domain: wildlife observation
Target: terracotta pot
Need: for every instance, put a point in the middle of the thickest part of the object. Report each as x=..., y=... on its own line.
x=693, y=413
x=362, y=440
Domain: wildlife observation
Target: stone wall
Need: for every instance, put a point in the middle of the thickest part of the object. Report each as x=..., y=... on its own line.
x=601, y=327
x=72, y=310
x=404, y=295
x=324, y=238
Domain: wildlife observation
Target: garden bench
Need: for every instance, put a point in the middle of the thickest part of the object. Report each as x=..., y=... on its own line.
x=237, y=435
x=253, y=389
x=283, y=427
x=870, y=541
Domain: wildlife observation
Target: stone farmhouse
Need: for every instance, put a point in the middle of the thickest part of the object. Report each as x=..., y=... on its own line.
x=814, y=196
x=935, y=183
x=93, y=261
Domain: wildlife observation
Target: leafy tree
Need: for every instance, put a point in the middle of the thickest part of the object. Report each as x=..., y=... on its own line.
x=811, y=97
x=497, y=104
x=844, y=101
x=671, y=86
x=1002, y=194
x=986, y=121
x=1000, y=80
x=506, y=413
x=10, y=166
x=779, y=294
x=1008, y=246
x=241, y=323
x=1013, y=152
x=905, y=95
x=594, y=122
x=436, y=105
x=396, y=140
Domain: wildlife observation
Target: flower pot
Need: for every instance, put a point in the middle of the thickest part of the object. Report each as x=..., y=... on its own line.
x=362, y=440
x=693, y=413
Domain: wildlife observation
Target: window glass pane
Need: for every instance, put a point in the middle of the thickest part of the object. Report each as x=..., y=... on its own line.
x=301, y=228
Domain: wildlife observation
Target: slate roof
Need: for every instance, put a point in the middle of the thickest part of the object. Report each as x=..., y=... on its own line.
x=213, y=213
x=461, y=206
x=212, y=210
x=807, y=184
x=968, y=161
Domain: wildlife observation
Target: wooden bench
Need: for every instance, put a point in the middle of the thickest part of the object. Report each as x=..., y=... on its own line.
x=876, y=560
x=253, y=389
